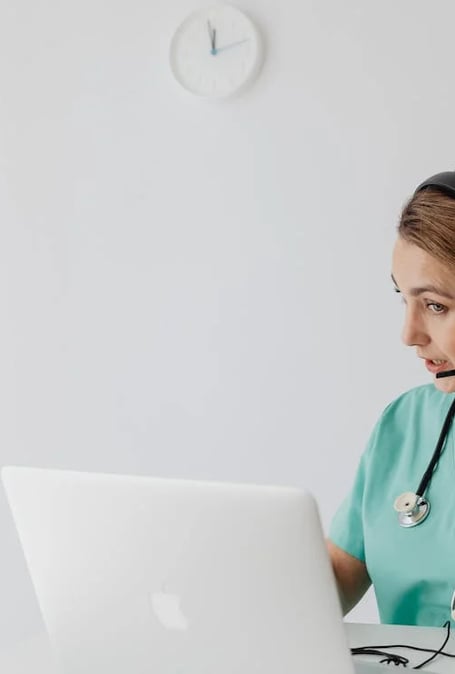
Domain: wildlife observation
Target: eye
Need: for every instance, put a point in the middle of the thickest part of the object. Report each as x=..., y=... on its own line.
x=436, y=307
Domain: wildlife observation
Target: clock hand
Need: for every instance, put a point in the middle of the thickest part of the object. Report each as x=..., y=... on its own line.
x=212, y=34
x=230, y=46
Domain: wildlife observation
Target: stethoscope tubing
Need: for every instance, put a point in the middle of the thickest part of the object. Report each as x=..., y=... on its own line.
x=424, y=482
x=414, y=508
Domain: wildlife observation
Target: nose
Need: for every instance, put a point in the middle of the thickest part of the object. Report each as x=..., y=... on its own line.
x=413, y=332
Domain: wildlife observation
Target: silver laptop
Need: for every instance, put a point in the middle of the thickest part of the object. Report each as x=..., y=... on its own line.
x=136, y=575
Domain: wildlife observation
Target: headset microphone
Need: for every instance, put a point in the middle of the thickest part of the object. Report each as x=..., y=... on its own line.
x=447, y=373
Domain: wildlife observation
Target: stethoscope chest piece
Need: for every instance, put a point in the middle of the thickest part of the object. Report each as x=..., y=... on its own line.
x=412, y=509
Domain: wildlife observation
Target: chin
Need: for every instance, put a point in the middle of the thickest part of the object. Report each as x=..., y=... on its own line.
x=445, y=385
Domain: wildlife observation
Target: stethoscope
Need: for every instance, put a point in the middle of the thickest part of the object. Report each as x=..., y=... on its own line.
x=413, y=508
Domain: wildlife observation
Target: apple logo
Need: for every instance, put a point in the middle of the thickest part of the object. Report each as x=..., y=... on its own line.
x=166, y=607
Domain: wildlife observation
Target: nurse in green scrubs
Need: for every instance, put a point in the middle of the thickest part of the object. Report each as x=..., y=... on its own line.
x=412, y=569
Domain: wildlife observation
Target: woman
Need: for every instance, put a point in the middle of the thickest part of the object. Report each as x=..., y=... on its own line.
x=405, y=546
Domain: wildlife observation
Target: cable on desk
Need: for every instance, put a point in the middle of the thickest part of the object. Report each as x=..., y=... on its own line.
x=440, y=650
x=401, y=660
x=388, y=657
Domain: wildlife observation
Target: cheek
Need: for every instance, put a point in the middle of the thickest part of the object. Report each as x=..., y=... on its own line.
x=443, y=336
x=446, y=343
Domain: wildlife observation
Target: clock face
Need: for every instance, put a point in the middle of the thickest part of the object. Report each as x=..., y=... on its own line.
x=216, y=52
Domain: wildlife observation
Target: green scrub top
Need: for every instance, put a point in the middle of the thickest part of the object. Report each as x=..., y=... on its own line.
x=412, y=569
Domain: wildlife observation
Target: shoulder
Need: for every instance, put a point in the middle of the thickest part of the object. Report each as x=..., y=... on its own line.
x=413, y=417
x=419, y=400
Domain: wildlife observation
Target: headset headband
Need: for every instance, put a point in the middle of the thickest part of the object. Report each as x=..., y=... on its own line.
x=443, y=181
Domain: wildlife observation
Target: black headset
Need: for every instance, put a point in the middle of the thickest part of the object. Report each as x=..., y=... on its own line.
x=443, y=181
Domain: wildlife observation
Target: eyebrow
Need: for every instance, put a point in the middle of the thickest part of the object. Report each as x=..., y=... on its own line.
x=415, y=292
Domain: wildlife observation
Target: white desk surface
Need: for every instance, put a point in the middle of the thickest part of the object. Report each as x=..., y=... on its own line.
x=33, y=656
x=360, y=634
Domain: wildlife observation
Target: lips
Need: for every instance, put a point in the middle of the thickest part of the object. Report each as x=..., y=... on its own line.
x=434, y=368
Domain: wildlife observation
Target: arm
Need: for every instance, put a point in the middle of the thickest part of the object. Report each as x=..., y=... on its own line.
x=351, y=576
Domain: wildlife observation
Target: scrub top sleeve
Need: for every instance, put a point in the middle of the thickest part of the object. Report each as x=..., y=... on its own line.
x=346, y=529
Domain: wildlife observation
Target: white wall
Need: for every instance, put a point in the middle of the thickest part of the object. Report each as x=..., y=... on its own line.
x=199, y=289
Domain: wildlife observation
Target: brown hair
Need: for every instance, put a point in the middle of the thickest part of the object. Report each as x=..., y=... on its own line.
x=428, y=221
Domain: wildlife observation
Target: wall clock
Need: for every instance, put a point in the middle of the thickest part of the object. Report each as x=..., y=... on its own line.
x=216, y=52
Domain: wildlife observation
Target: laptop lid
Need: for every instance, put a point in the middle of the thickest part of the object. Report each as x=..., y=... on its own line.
x=138, y=575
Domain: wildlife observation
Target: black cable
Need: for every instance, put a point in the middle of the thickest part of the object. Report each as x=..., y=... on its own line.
x=361, y=649
x=388, y=657
x=425, y=662
x=401, y=660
